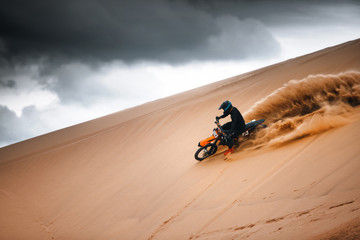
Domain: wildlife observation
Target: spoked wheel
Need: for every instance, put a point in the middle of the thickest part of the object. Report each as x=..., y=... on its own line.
x=204, y=152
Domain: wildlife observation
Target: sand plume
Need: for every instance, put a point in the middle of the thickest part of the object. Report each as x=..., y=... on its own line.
x=305, y=107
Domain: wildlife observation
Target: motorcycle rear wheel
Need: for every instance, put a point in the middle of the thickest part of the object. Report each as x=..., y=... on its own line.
x=204, y=152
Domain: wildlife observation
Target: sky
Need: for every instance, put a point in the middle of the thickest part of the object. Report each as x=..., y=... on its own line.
x=69, y=61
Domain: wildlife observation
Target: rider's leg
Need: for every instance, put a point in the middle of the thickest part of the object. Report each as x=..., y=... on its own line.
x=231, y=141
x=226, y=127
x=230, y=144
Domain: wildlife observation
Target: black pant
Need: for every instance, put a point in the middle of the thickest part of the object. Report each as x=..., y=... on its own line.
x=230, y=134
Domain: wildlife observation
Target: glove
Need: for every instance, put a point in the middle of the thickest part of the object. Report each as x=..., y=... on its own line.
x=217, y=118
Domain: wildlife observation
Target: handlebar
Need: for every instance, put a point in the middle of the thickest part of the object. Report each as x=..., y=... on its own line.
x=218, y=125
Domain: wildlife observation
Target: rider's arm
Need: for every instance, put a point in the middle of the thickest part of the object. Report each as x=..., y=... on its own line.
x=223, y=116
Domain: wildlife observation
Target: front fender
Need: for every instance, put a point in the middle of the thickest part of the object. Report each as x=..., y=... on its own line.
x=206, y=141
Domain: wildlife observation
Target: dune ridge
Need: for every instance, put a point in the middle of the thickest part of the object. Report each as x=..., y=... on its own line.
x=306, y=107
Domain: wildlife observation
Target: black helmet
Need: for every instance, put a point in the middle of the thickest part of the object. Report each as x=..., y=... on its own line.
x=226, y=106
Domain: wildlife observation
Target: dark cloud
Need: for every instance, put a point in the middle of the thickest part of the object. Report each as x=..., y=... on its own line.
x=77, y=83
x=59, y=37
x=67, y=40
x=160, y=30
x=163, y=30
x=73, y=82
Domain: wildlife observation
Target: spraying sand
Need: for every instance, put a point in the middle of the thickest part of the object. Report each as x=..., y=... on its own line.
x=306, y=107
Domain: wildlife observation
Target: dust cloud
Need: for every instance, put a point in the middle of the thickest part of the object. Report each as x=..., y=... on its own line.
x=305, y=107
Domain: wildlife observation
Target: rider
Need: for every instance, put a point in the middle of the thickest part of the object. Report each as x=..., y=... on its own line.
x=235, y=127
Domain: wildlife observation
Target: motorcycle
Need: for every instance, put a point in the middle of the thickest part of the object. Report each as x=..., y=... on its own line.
x=209, y=146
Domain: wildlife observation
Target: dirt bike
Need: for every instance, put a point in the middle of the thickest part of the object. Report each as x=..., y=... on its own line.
x=209, y=146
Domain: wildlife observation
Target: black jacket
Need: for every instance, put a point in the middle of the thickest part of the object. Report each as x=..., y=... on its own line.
x=237, y=121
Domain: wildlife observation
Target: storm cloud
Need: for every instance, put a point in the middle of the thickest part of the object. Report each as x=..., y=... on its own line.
x=161, y=30
x=129, y=30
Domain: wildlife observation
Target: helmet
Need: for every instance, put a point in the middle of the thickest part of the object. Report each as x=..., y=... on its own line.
x=226, y=106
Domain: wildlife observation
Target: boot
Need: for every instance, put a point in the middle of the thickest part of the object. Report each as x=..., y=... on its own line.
x=229, y=151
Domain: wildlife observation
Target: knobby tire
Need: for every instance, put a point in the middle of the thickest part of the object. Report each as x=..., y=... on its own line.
x=204, y=152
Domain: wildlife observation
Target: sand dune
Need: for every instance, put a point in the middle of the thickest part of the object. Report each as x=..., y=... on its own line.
x=132, y=174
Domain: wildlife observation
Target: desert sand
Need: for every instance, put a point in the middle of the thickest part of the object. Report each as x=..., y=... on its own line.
x=132, y=174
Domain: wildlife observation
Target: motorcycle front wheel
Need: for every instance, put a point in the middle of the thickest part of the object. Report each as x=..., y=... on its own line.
x=204, y=152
